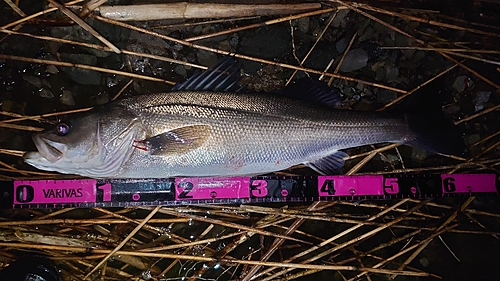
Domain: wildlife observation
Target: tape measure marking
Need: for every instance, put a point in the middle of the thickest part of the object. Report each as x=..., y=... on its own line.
x=182, y=191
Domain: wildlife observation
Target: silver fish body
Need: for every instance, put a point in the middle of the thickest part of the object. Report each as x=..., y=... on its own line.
x=204, y=128
x=244, y=134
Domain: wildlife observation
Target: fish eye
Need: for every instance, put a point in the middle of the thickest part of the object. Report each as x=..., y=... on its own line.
x=62, y=129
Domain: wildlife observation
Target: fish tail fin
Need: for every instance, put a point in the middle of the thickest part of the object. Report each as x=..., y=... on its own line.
x=434, y=133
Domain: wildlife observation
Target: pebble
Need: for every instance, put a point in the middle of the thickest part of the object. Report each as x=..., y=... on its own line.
x=52, y=69
x=67, y=98
x=340, y=17
x=472, y=139
x=481, y=99
x=392, y=73
x=102, y=98
x=303, y=24
x=44, y=93
x=46, y=83
x=354, y=60
x=462, y=83
x=418, y=154
x=32, y=80
x=206, y=58
x=181, y=70
x=424, y=262
x=385, y=96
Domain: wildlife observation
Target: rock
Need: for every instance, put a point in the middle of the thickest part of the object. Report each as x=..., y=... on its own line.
x=44, y=93
x=380, y=74
x=340, y=17
x=266, y=42
x=181, y=70
x=462, y=83
x=391, y=74
x=424, y=262
x=67, y=98
x=32, y=80
x=418, y=154
x=303, y=24
x=83, y=76
x=385, y=96
x=225, y=45
x=112, y=81
x=354, y=60
x=366, y=105
x=102, y=98
x=451, y=109
x=481, y=99
x=472, y=139
x=206, y=58
x=341, y=45
x=198, y=29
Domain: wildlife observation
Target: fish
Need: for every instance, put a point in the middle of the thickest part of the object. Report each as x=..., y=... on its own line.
x=212, y=126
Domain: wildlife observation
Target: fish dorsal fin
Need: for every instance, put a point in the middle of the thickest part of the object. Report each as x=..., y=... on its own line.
x=177, y=141
x=224, y=76
x=310, y=90
x=329, y=165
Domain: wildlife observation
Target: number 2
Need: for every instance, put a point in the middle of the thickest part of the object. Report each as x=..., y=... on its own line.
x=187, y=187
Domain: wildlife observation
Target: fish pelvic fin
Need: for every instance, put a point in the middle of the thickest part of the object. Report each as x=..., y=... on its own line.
x=177, y=141
x=329, y=165
x=434, y=133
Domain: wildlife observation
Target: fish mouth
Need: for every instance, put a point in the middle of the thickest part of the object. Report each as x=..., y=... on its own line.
x=50, y=150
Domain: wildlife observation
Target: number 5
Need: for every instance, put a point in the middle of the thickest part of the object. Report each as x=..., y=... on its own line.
x=391, y=186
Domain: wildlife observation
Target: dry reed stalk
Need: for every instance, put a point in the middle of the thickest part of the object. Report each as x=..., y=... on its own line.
x=350, y=242
x=231, y=225
x=185, y=10
x=236, y=55
x=427, y=21
x=437, y=232
x=27, y=18
x=87, y=67
x=132, y=233
x=330, y=20
x=84, y=25
x=257, y=25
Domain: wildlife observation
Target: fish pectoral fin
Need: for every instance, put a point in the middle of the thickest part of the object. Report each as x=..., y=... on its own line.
x=177, y=141
x=329, y=165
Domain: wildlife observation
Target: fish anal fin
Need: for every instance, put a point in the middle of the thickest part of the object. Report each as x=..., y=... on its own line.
x=177, y=141
x=329, y=165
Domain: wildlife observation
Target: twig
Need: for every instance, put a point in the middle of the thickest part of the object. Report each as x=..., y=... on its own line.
x=257, y=25
x=441, y=227
x=84, y=66
x=84, y=25
x=132, y=233
x=236, y=55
